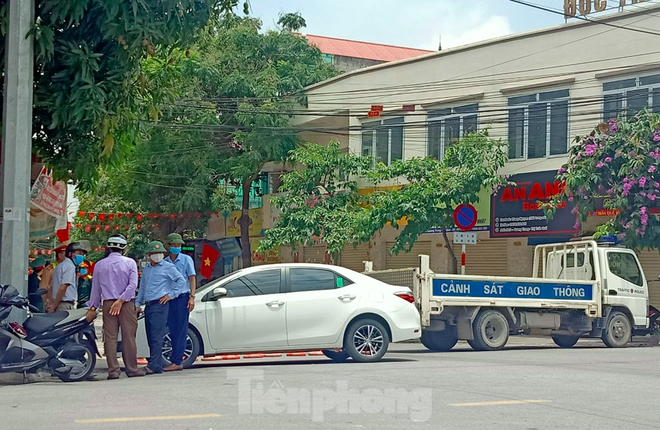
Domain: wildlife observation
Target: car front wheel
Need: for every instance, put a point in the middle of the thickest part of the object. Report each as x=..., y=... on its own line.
x=366, y=340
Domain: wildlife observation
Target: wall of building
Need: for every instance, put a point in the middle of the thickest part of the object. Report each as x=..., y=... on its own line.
x=579, y=57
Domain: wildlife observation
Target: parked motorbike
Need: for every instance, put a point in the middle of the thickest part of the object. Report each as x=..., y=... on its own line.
x=60, y=342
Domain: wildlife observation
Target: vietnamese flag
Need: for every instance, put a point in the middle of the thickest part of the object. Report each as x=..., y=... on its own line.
x=209, y=257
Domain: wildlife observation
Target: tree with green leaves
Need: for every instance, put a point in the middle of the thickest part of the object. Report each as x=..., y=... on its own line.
x=91, y=94
x=292, y=21
x=236, y=92
x=617, y=165
x=320, y=202
x=258, y=85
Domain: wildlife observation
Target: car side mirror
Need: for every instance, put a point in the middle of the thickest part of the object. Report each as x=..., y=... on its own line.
x=218, y=293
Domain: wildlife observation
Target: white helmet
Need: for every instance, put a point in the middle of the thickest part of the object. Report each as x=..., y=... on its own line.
x=117, y=241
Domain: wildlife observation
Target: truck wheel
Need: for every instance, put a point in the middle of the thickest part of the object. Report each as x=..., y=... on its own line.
x=491, y=331
x=618, y=331
x=565, y=341
x=439, y=340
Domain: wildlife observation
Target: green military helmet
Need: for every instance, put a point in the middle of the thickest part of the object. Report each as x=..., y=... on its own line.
x=174, y=238
x=38, y=262
x=155, y=247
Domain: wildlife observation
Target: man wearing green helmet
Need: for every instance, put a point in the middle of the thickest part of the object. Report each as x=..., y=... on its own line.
x=160, y=283
x=180, y=308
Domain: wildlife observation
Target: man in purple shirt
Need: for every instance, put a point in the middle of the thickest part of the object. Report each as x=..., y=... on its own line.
x=114, y=284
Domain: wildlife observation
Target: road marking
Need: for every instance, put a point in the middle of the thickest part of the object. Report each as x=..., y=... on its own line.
x=500, y=402
x=131, y=419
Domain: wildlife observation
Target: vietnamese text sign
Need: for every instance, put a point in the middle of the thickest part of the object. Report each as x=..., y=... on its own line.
x=511, y=290
x=572, y=8
x=515, y=210
x=48, y=196
x=465, y=237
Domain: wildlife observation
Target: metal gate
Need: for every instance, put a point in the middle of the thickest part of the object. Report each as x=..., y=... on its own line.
x=650, y=261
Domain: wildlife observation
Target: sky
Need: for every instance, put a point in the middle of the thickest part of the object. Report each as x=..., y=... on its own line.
x=413, y=23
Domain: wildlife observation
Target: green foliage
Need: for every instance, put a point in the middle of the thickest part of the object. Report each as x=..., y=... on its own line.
x=320, y=204
x=91, y=93
x=292, y=21
x=320, y=200
x=224, y=112
x=620, y=162
x=435, y=188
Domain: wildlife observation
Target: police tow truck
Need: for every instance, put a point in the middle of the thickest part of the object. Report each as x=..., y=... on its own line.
x=577, y=289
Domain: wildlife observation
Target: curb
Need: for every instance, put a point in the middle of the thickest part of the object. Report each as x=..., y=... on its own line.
x=251, y=356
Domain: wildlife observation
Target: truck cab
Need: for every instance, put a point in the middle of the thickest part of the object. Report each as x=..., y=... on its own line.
x=616, y=268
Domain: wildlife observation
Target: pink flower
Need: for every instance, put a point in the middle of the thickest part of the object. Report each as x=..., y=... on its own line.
x=652, y=197
x=570, y=199
x=656, y=138
x=643, y=194
x=590, y=150
x=577, y=225
x=608, y=159
x=617, y=154
x=656, y=184
x=642, y=181
x=651, y=169
x=562, y=170
x=600, y=164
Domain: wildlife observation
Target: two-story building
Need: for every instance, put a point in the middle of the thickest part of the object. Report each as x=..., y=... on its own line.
x=536, y=90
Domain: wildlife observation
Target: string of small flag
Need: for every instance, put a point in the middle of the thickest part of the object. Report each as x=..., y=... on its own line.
x=108, y=222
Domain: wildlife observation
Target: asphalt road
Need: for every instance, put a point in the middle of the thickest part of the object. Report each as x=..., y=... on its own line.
x=523, y=387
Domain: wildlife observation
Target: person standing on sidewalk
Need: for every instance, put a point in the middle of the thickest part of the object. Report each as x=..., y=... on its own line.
x=64, y=293
x=180, y=308
x=47, y=275
x=34, y=282
x=114, y=284
x=160, y=284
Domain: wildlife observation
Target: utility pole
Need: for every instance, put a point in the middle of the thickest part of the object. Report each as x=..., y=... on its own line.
x=17, y=146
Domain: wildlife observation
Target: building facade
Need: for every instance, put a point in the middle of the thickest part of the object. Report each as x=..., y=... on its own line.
x=536, y=90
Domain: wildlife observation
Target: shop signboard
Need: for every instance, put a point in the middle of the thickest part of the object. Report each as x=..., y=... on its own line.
x=515, y=209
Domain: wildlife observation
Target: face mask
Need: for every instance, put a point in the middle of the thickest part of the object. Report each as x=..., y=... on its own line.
x=78, y=259
x=83, y=271
x=175, y=251
x=156, y=258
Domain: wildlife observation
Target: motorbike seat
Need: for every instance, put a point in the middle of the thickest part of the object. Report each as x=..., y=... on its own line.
x=38, y=323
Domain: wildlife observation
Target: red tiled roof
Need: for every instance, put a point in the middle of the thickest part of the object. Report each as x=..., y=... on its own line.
x=366, y=50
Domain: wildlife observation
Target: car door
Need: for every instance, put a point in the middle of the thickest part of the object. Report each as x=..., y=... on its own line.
x=319, y=303
x=626, y=281
x=251, y=316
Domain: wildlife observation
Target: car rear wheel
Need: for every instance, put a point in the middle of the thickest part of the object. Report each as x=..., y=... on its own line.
x=336, y=355
x=366, y=340
x=190, y=352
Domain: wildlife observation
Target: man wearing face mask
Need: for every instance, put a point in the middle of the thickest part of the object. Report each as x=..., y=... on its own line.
x=160, y=284
x=65, y=280
x=180, y=308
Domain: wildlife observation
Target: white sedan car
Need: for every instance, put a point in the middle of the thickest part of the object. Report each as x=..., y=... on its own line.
x=297, y=307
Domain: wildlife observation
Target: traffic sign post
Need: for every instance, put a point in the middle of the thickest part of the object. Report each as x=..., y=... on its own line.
x=465, y=218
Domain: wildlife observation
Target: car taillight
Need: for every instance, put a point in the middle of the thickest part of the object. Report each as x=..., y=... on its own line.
x=406, y=296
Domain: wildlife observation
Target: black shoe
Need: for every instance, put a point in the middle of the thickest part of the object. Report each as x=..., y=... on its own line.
x=114, y=376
